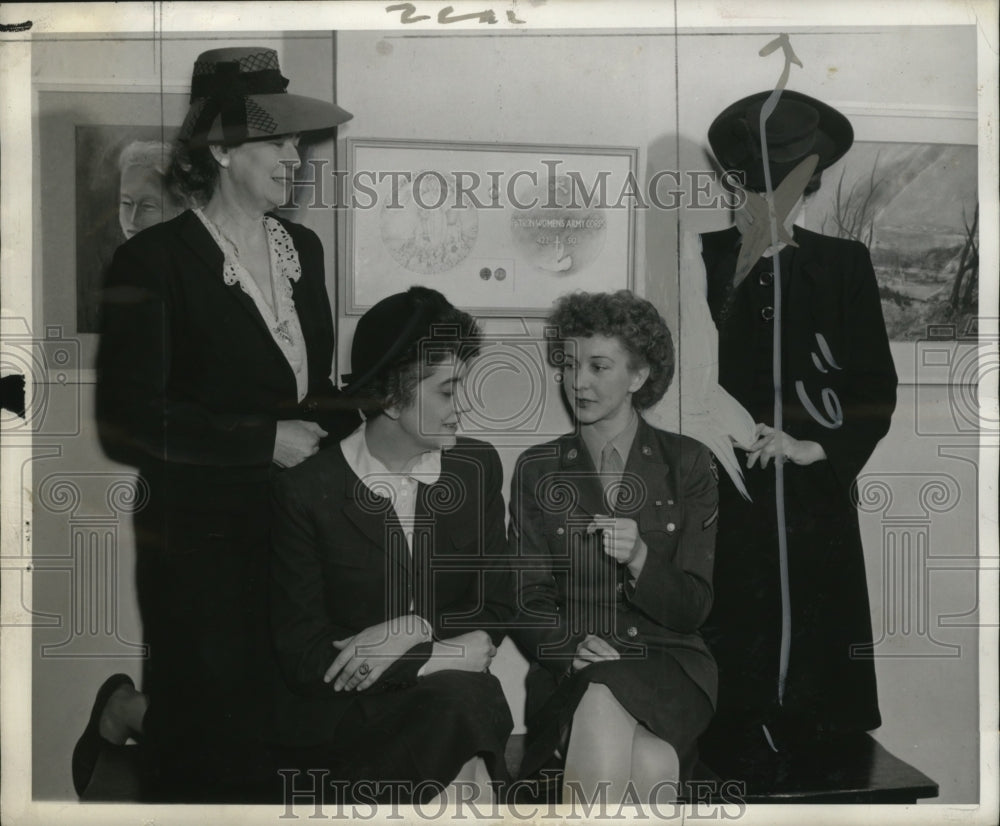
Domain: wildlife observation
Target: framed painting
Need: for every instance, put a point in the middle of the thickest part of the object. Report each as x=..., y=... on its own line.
x=118, y=192
x=501, y=229
x=84, y=137
x=908, y=189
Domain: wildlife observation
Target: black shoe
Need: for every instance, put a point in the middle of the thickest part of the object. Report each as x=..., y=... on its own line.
x=90, y=745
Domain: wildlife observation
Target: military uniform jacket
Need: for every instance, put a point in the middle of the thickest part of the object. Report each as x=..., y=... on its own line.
x=568, y=586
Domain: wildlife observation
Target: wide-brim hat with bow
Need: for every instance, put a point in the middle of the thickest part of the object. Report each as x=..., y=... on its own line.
x=238, y=94
x=798, y=127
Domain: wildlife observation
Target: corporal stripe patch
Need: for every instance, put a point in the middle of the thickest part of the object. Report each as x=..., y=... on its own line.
x=713, y=517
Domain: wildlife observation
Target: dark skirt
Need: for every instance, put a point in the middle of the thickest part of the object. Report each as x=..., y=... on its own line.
x=406, y=744
x=655, y=690
x=202, y=587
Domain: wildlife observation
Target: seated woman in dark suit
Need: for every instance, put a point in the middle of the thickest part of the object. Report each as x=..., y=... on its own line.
x=390, y=590
x=615, y=527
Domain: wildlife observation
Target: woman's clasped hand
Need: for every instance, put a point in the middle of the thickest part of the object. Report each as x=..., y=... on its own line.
x=295, y=441
x=364, y=657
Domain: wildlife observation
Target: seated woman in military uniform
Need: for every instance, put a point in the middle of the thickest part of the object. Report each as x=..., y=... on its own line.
x=614, y=524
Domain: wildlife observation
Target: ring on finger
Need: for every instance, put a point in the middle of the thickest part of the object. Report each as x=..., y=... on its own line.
x=363, y=669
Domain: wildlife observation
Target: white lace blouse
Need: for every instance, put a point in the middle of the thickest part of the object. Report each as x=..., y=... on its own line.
x=283, y=321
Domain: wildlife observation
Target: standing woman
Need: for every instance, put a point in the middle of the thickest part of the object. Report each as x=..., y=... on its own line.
x=838, y=392
x=614, y=524
x=214, y=373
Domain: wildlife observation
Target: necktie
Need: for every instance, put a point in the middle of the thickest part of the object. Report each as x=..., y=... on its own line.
x=611, y=471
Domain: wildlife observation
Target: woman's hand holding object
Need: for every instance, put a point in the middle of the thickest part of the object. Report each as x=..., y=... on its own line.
x=620, y=539
x=592, y=650
x=771, y=443
x=295, y=441
x=364, y=657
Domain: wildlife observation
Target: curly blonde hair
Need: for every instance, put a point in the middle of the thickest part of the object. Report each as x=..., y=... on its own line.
x=634, y=321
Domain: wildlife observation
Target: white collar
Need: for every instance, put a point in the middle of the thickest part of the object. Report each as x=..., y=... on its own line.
x=375, y=475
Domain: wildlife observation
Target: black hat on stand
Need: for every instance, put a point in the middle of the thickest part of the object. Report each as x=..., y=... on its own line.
x=798, y=127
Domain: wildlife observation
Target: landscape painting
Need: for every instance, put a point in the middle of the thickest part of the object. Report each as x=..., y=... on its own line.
x=915, y=206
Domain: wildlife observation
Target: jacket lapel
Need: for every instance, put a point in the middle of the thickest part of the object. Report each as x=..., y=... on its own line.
x=650, y=470
x=812, y=301
x=194, y=234
x=374, y=516
x=720, y=253
x=309, y=320
x=578, y=469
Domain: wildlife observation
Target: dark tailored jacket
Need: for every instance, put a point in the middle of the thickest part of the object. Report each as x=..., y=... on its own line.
x=832, y=292
x=190, y=388
x=829, y=290
x=340, y=564
x=190, y=379
x=568, y=586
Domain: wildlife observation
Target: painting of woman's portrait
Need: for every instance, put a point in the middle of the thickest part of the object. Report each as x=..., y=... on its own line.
x=121, y=188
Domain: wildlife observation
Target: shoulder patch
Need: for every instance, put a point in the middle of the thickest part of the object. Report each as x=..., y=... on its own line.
x=713, y=517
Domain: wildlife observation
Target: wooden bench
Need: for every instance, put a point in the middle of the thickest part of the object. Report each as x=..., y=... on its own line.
x=864, y=772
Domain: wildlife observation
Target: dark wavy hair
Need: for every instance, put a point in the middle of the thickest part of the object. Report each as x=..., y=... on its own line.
x=453, y=333
x=634, y=321
x=194, y=172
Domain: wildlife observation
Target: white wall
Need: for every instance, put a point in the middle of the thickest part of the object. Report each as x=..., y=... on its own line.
x=585, y=89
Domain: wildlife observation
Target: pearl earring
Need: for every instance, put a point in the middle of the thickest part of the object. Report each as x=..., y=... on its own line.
x=224, y=163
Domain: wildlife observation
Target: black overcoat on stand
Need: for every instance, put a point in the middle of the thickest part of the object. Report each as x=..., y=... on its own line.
x=838, y=388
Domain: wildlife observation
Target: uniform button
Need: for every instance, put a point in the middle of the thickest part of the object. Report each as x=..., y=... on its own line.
x=632, y=631
x=560, y=531
x=671, y=527
x=766, y=278
x=621, y=588
x=767, y=313
x=310, y=406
